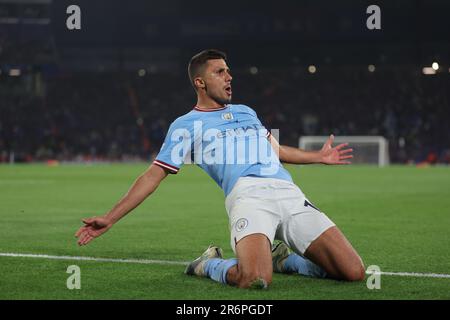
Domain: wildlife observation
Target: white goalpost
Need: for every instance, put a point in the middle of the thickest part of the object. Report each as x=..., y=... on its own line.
x=366, y=149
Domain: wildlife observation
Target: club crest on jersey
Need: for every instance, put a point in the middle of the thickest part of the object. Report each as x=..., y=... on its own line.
x=227, y=116
x=241, y=224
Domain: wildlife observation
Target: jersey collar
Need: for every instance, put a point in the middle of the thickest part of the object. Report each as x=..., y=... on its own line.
x=209, y=110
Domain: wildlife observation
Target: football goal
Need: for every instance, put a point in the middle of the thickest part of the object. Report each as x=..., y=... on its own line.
x=366, y=149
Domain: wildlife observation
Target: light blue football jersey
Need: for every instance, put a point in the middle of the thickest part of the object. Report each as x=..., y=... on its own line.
x=227, y=143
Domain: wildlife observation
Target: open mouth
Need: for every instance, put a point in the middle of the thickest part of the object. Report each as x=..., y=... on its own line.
x=228, y=90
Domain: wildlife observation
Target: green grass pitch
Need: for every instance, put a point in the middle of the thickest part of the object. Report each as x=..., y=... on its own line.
x=397, y=218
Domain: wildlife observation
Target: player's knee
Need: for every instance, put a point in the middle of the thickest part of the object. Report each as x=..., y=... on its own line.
x=355, y=273
x=254, y=279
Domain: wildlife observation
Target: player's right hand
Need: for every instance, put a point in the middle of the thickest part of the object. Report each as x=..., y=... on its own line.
x=93, y=228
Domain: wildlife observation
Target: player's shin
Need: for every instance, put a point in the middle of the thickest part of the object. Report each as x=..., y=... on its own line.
x=297, y=264
x=285, y=261
x=217, y=269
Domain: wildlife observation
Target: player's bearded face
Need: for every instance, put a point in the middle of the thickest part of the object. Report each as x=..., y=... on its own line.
x=218, y=81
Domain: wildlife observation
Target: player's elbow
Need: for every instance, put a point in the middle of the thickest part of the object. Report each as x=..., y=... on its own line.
x=282, y=153
x=154, y=175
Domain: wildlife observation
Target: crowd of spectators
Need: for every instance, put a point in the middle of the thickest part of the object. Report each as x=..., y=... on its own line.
x=124, y=116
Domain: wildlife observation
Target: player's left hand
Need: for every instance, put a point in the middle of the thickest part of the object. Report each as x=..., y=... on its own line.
x=336, y=155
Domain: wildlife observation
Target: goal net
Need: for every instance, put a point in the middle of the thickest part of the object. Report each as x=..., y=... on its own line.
x=366, y=149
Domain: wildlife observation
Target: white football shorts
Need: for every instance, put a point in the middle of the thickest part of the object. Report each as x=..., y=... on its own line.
x=275, y=208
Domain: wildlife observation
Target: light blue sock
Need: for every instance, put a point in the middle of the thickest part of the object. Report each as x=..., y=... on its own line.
x=301, y=265
x=217, y=269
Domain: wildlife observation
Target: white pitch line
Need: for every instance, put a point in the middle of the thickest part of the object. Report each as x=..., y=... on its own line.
x=45, y=256
x=411, y=274
x=146, y=261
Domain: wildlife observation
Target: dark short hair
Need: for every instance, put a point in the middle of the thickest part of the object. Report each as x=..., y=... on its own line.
x=198, y=61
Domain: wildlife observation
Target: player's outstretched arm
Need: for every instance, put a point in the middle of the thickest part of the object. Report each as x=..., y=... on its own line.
x=327, y=155
x=144, y=185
